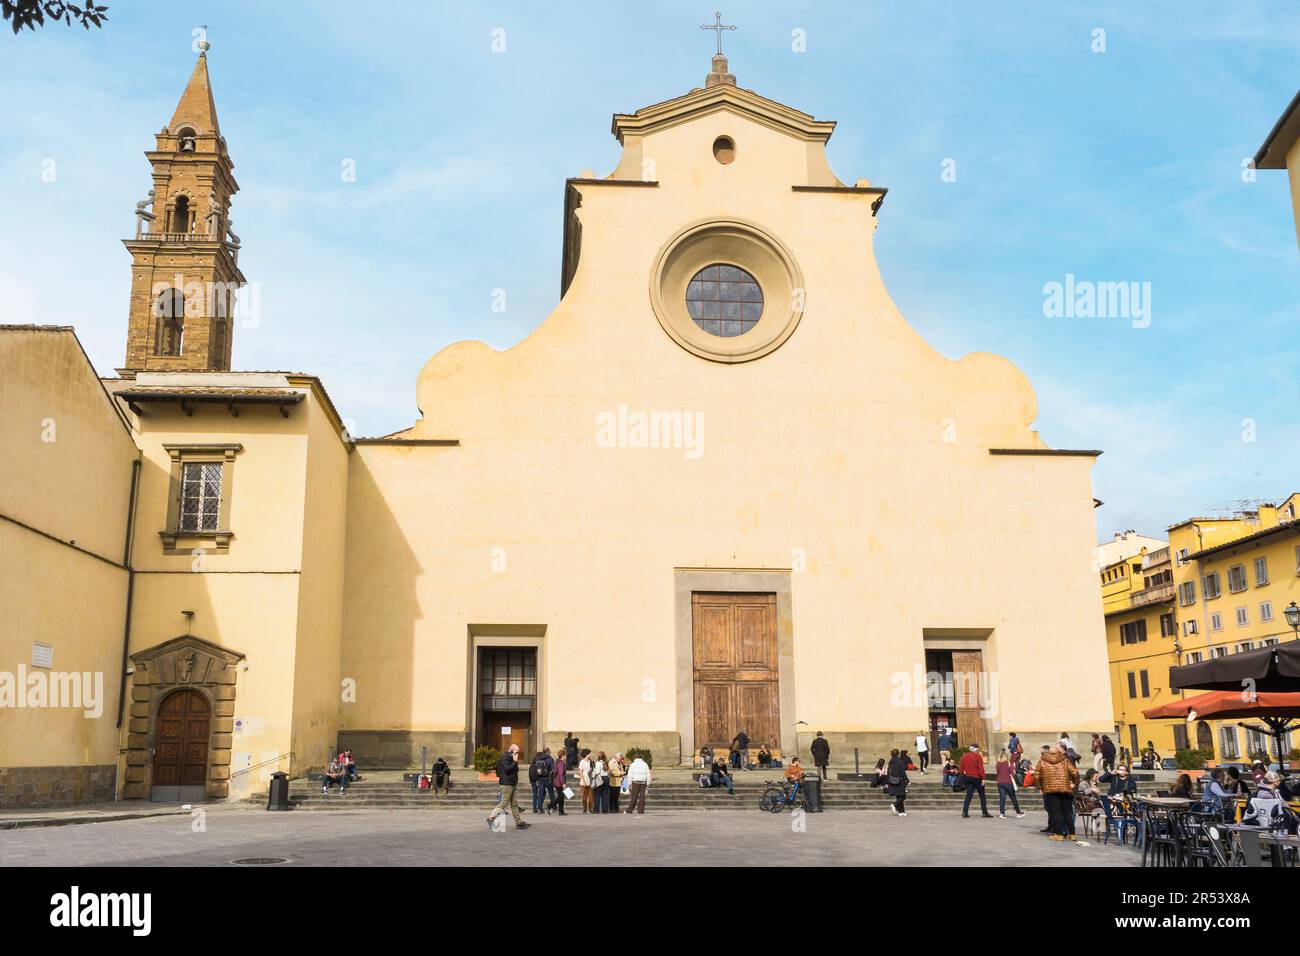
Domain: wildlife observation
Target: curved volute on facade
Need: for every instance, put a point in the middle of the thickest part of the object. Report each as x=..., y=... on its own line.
x=724, y=154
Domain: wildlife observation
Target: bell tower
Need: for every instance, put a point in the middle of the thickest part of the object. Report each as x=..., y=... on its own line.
x=185, y=259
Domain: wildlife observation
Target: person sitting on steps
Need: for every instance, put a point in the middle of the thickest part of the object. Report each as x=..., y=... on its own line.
x=441, y=774
x=721, y=776
x=334, y=773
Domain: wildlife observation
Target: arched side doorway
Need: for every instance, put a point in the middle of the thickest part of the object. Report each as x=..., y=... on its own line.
x=182, y=708
x=180, y=760
x=1204, y=736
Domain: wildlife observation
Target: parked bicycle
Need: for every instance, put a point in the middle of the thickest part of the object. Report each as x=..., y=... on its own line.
x=778, y=796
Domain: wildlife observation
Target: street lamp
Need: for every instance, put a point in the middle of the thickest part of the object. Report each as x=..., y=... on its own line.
x=1293, y=618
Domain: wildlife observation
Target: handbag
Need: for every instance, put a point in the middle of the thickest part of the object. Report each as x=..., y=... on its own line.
x=568, y=793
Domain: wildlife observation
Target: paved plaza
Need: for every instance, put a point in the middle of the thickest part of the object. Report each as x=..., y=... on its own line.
x=460, y=838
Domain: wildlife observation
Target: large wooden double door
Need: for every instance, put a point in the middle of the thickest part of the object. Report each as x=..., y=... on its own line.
x=735, y=667
x=180, y=760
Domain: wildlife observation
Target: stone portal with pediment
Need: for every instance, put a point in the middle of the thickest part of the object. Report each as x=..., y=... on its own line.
x=182, y=721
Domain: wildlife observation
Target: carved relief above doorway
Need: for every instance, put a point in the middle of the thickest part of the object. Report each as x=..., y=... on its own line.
x=178, y=744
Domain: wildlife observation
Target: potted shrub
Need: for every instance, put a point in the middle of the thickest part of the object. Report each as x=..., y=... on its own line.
x=642, y=752
x=485, y=762
x=1189, y=758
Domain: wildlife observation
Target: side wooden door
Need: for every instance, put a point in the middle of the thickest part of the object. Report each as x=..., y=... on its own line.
x=968, y=681
x=180, y=761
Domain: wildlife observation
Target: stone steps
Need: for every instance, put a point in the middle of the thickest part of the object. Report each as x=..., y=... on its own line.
x=387, y=792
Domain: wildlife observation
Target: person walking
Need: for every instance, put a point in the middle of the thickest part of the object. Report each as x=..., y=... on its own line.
x=972, y=771
x=922, y=750
x=1107, y=754
x=508, y=777
x=639, y=776
x=1007, y=787
x=1057, y=777
x=1096, y=752
x=821, y=754
x=1015, y=748
x=617, y=771
x=557, y=783
x=897, y=783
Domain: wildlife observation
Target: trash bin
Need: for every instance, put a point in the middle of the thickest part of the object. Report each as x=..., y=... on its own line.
x=278, y=798
x=812, y=793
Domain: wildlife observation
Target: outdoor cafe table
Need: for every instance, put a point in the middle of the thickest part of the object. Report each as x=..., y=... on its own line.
x=1172, y=803
x=1250, y=839
x=1176, y=803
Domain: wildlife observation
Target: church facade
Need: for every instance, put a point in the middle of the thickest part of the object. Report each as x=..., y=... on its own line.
x=724, y=485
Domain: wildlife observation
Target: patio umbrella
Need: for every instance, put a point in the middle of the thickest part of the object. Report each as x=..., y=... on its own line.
x=1272, y=668
x=1279, y=712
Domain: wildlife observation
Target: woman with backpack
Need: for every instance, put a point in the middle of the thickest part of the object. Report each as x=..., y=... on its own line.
x=557, y=784
x=896, y=782
x=1007, y=787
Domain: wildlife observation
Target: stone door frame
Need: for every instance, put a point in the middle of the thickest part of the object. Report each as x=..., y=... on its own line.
x=182, y=663
x=686, y=581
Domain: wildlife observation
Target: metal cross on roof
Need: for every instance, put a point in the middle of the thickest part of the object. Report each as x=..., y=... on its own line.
x=717, y=26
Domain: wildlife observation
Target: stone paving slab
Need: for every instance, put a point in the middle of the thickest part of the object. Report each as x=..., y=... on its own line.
x=99, y=813
x=461, y=838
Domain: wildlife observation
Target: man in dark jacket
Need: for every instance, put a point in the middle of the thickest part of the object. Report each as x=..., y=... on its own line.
x=539, y=777
x=508, y=777
x=570, y=750
x=821, y=753
x=1107, y=754
x=740, y=747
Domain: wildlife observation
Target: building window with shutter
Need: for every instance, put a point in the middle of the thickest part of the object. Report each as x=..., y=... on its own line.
x=1146, y=684
x=1237, y=578
x=1132, y=686
x=1210, y=586
x=1228, y=743
x=1167, y=626
x=1261, y=572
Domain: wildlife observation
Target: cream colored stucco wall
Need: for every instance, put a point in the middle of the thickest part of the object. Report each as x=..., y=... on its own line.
x=830, y=451
x=65, y=479
x=316, y=683
x=274, y=595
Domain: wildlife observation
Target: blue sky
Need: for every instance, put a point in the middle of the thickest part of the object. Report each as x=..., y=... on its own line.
x=1121, y=166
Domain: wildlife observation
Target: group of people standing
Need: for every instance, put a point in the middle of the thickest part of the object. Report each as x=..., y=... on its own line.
x=601, y=780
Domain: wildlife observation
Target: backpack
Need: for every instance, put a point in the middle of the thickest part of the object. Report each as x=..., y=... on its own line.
x=540, y=770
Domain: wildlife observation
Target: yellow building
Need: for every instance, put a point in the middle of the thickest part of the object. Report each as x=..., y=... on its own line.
x=1137, y=600
x=694, y=500
x=1233, y=577
x=1219, y=586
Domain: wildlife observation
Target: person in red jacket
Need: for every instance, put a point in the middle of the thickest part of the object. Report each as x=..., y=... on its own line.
x=972, y=771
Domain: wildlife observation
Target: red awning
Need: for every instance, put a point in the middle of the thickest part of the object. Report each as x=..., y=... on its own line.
x=1229, y=705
